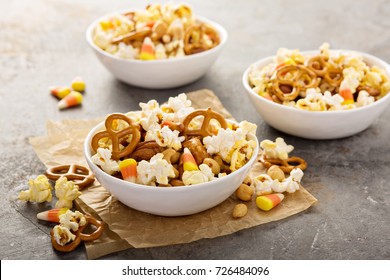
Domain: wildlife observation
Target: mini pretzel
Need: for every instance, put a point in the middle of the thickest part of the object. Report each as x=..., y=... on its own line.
x=291, y=79
x=81, y=175
x=205, y=129
x=80, y=235
x=117, y=136
x=194, y=38
x=132, y=36
x=285, y=165
x=331, y=74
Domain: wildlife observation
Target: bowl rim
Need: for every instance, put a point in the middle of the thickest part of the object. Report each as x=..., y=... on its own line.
x=245, y=81
x=220, y=29
x=87, y=154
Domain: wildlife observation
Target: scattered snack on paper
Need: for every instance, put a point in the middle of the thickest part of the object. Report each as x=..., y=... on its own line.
x=155, y=33
x=39, y=191
x=327, y=81
x=172, y=144
x=66, y=236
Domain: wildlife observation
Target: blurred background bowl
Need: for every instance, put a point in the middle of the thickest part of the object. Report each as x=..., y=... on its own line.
x=317, y=125
x=169, y=201
x=159, y=74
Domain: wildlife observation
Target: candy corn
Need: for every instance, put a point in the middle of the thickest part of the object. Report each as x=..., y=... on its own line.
x=128, y=168
x=347, y=95
x=188, y=160
x=60, y=92
x=78, y=84
x=269, y=201
x=73, y=99
x=52, y=215
x=147, y=50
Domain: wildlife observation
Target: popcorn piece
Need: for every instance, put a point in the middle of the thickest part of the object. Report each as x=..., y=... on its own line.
x=66, y=191
x=151, y=115
x=264, y=184
x=158, y=169
x=242, y=151
x=223, y=142
x=72, y=99
x=166, y=138
x=62, y=235
x=39, y=191
x=364, y=99
x=177, y=108
x=291, y=183
x=278, y=149
x=203, y=175
x=103, y=159
x=72, y=220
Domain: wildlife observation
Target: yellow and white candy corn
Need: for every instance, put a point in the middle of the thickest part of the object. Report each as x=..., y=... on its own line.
x=52, y=215
x=78, y=84
x=60, y=92
x=128, y=168
x=73, y=99
x=269, y=201
x=147, y=50
x=188, y=160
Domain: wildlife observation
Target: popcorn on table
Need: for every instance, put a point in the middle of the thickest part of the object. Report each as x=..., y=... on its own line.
x=277, y=150
x=39, y=191
x=66, y=191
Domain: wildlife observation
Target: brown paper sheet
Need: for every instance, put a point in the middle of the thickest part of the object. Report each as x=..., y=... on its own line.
x=127, y=228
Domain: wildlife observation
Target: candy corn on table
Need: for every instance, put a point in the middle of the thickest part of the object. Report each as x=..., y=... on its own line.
x=43, y=45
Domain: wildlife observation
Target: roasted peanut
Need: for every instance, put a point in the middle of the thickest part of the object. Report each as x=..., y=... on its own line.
x=276, y=173
x=244, y=192
x=218, y=159
x=215, y=168
x=240, y=210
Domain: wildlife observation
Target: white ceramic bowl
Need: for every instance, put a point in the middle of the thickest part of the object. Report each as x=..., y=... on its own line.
x=169, y=201
x=318, y=125
x=159, y=74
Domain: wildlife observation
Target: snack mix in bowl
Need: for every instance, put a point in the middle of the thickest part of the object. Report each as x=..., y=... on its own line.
x=325, y=81
x=172, y=144
x=158, y=32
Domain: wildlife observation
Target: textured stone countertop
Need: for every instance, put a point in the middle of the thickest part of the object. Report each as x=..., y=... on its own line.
x=43, y=43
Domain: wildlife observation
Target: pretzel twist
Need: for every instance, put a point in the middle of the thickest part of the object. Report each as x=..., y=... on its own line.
x=331, y=74
x=206, y=129
x=285, y=165
x=81, y=175
x=290, y=80
x=116, y=136
x=80, y=235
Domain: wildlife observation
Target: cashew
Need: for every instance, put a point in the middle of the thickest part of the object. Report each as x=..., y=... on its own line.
x=215, y=168
x=171, y=156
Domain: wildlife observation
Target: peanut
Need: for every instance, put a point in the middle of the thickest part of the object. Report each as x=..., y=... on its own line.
x=240, y=210
x=244, y=192
x=276, y=173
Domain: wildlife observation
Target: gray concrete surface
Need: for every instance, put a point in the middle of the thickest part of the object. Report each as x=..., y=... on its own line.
x=42, y=43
